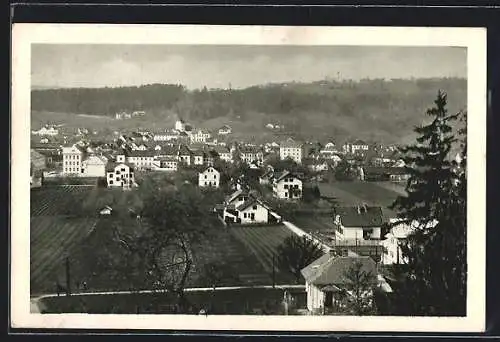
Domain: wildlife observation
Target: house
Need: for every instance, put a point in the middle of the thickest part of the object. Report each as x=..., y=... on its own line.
x=291, y=149
x=287, y=186
x=120, y=175
x=200, y=136
x=251, y=154
x=223, y=153
x=209, y=178
x=141, y=159
x=72, y=160
x=327, y=284
x=198, y=157
x=94, y=166
x=244, y=207
x=385, y=173
x=168, y=135
x=184, y=155
x=358, y=146
x=358, y=223
x=138, y=113
x=224, y=130
x=165, y=164
x=267, y=177
x=47, y=131
x=317, y=165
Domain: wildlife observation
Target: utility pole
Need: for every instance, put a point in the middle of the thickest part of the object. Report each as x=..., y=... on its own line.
x=68, y=278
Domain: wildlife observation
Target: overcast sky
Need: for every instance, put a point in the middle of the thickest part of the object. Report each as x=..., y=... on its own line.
x=241, y=66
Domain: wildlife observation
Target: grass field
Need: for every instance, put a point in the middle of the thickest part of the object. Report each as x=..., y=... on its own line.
x=57, y=200
x=52, y=238
x=263, y=242
x=240, y=301
x=357, y=193
x=318, y=223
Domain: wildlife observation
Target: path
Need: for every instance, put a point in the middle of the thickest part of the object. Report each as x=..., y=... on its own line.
x=34, y=302
x=296, y=230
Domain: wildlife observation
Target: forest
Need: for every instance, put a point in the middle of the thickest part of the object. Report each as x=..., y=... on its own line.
x=339, y=107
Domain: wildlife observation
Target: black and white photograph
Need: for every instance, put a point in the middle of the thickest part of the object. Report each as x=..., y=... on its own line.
x=307, y=178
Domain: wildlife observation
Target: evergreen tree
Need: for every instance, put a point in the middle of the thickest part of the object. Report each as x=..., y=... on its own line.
x=434, y=280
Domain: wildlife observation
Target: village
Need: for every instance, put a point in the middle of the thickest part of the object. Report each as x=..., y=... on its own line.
x=329, y=190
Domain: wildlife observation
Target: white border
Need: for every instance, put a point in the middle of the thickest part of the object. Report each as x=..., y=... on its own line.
x=473, y=38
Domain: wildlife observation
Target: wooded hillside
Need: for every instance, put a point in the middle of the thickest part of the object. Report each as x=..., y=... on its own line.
x=370, y=109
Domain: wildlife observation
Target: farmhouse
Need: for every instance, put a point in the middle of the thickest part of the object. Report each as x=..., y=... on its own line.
x=287, y=186
x=358, y=223
x=326, y=282
x=291, y=149
x=120, y=175
x=209, y=178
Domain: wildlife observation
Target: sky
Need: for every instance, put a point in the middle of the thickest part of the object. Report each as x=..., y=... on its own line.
x=239, y=66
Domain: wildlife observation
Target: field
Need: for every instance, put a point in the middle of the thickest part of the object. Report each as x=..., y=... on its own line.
x=263, y=242
x=57, y=200
x=318, y=223
x=357, y=193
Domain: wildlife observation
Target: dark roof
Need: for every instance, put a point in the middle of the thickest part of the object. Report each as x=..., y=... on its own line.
x=184, y=150
x=251, y=201
x=284, y=174
x=360, y=216
x=110, y=166
x=331, y=270
x=250, y=149
x=139, y=153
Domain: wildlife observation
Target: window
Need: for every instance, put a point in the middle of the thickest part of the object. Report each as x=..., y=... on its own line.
x=254, y=207
x=244, y=215
x=286, y=186
x=123, y=169
x=117, y=179
x=111, y=182
x=205, y=176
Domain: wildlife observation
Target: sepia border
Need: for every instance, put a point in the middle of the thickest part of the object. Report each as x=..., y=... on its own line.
x=23, y=35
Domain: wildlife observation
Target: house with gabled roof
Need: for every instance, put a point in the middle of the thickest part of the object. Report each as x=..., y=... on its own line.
x=327, y=284
x=224, y=130
x=291, y=149
x=209, y=178
x=360, y=222
x=185, y=154
x=287, y=185
x=246, y=208
x=120, y=175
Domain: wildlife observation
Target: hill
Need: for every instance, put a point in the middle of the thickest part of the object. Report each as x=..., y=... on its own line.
x=375, y=110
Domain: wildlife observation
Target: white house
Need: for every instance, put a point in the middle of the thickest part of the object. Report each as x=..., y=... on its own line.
x=244, y=207
x=209, y=178
x=252, y=211
x=165, y=164
x=46, y=130
x=326, y=283
x=291, y=149
x=358, y=223
x=200, y=136
x=224, y=130
x=94, y=166
x=72, y=160
x=251, y=154
x=107, y=210
x=224, y=153
x=141, y=159
x=120, y=175
x=358, y=146
x=287, y=186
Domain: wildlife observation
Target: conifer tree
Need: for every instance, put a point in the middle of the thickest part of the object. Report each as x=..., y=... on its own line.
x=434, y=279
